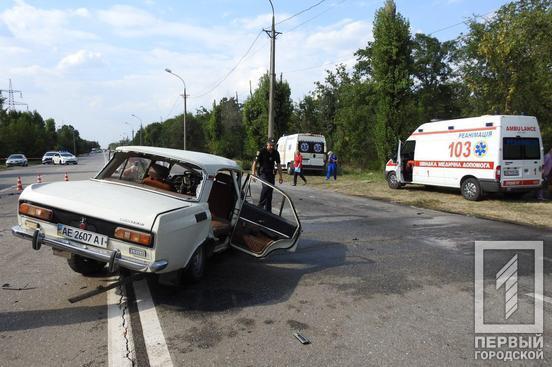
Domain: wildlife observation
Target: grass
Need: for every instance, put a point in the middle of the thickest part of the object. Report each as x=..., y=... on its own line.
x=526, y=211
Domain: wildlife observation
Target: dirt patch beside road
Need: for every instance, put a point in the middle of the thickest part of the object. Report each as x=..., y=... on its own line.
x=372, y=184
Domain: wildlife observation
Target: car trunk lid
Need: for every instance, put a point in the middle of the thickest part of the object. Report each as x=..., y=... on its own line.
x=112, y=202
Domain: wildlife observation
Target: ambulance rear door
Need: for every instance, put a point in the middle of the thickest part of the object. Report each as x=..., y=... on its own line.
x=522, y=153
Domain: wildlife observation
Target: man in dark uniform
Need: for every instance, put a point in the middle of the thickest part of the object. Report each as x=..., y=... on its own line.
x=265, y=160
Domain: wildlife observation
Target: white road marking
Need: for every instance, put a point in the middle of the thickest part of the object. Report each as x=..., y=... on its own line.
x=156, y=346
x=120, y=345
x=8, y=188
x=540, y=297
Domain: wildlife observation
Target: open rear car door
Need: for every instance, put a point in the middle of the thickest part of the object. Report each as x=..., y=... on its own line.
x=399, y=166
x=258, y=232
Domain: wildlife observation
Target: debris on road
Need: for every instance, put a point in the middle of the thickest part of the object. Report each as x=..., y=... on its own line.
x=101, y=289
x=301, y=338
x=8, y=287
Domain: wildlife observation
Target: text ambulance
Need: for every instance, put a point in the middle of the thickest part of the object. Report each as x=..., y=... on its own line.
x=481, y=154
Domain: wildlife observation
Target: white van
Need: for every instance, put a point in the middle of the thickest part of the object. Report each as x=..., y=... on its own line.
x=481, y=154
x=311, y=146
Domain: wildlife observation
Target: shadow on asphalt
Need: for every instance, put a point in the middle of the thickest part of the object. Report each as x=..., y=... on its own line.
x=236, y=280
x=34, y=319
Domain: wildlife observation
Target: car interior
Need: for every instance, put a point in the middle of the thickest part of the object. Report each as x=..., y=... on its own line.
x=222, y=203
x=155, y=172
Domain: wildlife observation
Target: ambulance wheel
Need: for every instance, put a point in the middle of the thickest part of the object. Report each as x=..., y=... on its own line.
x=471, y=190
x=392, y=181
x=84, y=265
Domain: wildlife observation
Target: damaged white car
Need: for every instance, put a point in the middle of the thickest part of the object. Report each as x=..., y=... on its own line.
x=156, y=210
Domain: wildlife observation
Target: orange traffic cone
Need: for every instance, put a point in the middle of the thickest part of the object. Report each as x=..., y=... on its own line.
x=19, y=184
x=39, y=178
x=66, y=178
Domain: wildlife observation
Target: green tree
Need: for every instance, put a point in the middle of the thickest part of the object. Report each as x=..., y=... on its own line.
x=437, y=91
x=255, y=113
x=506, y=62
x=388, y=62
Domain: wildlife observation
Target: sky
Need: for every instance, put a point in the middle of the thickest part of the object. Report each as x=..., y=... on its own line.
x=94, y=64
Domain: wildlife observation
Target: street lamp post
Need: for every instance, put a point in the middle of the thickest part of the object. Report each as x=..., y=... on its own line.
x=132, y=129
x=184, y=96
x=141, y=126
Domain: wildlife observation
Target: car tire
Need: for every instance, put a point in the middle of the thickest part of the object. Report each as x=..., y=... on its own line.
x=193, y=272
x=392, y=181
x=84, y=265
x=471, y=189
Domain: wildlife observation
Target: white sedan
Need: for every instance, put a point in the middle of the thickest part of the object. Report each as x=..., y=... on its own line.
x=156, y=210
x=64, y=158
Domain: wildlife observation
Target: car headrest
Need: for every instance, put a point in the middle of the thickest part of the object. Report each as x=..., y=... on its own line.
x=159, y=171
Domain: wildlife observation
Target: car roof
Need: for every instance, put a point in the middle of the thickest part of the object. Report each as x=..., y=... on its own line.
x=209, y=162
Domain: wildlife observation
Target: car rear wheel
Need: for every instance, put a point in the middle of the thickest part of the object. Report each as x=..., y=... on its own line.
x=471, y=190
x=84, y=265
x=195, y=269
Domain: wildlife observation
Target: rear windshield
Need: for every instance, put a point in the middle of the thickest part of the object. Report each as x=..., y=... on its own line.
x=311, y=147
x=66, y=154
x=521, y=148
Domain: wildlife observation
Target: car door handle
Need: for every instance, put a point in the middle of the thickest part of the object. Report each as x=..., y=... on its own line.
x=260, y=221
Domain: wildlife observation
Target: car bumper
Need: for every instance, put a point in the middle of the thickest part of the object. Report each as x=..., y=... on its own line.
x=494, y=186
x=113, y=258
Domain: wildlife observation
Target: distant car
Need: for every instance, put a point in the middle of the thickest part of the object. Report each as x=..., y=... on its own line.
x=64, y=158
x=156, y=210
x=47, y=157
x=16, y=160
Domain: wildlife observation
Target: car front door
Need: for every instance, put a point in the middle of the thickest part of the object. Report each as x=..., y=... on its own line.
x=258, y=231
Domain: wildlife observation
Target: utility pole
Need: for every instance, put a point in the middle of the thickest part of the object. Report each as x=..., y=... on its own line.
x=272, y=34
x=183, y=96
x=11, y=100
x=74, y=144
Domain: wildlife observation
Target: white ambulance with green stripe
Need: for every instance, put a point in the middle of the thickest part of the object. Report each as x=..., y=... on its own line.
x=491, y=153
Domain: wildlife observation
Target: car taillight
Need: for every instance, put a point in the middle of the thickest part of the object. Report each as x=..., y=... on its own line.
x=130, y=235
x=497, y=173
x=36, y=211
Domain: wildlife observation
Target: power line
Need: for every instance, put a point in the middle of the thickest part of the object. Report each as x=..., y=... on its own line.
x=460, y=23
x=316, y=16
x=233, y=69
x=216, y=85
x=301, y=12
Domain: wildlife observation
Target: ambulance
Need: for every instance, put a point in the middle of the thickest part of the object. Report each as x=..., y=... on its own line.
x=491, y=153
x=311, y=146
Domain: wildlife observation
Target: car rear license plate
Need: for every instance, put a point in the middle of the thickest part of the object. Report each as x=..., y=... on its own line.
x=511, y=172
x=82, y=235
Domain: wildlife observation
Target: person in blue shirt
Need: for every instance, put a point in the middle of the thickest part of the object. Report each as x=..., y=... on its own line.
x=331, y=166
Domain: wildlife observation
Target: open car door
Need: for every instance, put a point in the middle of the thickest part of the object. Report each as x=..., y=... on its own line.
x=258, y=231
x=399, y=166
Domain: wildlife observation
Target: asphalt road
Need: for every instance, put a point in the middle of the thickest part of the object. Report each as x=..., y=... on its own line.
x=371, y=283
